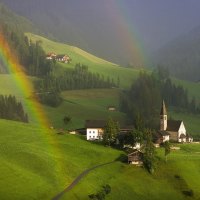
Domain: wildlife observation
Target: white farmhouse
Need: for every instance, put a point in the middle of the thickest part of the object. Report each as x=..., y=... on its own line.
x=94, y=129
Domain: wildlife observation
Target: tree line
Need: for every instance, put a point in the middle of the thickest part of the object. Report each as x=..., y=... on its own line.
x=77, y=78
x=30, y=55
x=11, y=109
x=48, y=89
x=144, y=97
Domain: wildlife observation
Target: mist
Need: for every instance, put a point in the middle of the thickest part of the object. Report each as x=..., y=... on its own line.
x=92, y=24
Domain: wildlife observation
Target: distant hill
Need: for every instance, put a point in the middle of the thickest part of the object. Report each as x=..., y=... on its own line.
x=16, y=21
x=182, y=56
x=88, y=27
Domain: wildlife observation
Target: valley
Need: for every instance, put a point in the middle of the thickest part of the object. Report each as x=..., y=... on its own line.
x=42, y=157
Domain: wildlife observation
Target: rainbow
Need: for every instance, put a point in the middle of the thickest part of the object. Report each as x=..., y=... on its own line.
x=127, y=34
x=22, y=82
x=36, y=112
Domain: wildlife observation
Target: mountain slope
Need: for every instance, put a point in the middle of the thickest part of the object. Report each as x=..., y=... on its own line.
x=95, y=64
x=16, y=21
x=182, y=56
x=90, y=26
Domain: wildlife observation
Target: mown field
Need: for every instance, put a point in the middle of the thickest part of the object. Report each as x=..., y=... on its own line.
x=38, y=163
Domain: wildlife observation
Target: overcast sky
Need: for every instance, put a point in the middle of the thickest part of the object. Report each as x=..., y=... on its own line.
x=159, y=21
x=155, y=22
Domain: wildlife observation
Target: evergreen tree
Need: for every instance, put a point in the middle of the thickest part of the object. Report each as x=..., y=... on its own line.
x=167, y=149
x=11, y=109
x=149, y=158
x=110, y=132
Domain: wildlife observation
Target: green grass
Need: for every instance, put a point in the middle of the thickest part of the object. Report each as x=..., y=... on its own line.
x=94, y=63
x=193, y=88
x=37, y=163
x=85, y=104
x=129, y=182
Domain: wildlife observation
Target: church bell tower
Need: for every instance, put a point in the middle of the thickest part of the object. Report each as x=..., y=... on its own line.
x=163, y=117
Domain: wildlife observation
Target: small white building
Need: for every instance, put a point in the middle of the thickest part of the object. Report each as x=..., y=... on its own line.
x=94, y=129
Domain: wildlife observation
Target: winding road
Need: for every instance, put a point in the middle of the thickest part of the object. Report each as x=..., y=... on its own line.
x=78, y=178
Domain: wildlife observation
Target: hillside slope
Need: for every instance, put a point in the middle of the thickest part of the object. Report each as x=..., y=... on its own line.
x=95, y=64
x=182, y=56
x=16, y=21
x=37, y=163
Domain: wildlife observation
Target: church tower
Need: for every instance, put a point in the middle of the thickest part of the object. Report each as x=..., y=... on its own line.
x=163, y=117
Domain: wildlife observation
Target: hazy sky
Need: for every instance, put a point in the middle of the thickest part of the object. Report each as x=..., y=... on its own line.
x=155, y=22
x=158, y=21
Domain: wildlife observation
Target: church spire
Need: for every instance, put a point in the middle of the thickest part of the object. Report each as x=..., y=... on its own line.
x=163, y=110
x=163, y=117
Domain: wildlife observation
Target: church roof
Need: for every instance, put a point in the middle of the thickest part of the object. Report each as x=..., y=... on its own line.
x=173, y=125
x=163, y=133
x=163, y=110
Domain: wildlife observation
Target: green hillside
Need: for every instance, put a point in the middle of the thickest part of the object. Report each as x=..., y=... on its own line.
x=193, y=88
x=38, y=164
x=94, y=63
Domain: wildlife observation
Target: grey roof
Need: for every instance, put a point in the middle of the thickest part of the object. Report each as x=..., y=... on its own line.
x=163, y=133
x=163, y=110
x=173, y=125
x=95, y=123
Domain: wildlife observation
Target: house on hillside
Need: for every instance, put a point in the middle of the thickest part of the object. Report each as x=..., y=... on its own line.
x=135, y=158
x=63, y=58
x=51, y=56
x=171, y=129
x=95, y=129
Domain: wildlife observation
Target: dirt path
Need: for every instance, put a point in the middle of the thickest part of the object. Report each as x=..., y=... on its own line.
x=78, y=178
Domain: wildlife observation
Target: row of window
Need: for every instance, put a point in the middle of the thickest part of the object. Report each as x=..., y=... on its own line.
x=91, y=131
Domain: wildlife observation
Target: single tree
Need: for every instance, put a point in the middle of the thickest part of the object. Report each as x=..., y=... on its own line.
x=66, y=119
x=167, y=149
x=110, y=131
x=149, y=157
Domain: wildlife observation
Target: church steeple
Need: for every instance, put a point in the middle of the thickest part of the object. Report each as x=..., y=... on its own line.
x=163, y=117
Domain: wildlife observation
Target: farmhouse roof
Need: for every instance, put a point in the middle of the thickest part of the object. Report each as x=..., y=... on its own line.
x=95, y=123
x=136, y=155
x=60, y=56
x=173, y=125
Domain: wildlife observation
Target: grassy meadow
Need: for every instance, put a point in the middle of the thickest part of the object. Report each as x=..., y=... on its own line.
x=95, y=64
x=38, y=163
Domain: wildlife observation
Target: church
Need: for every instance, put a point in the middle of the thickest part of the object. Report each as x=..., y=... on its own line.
x=173, y=130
